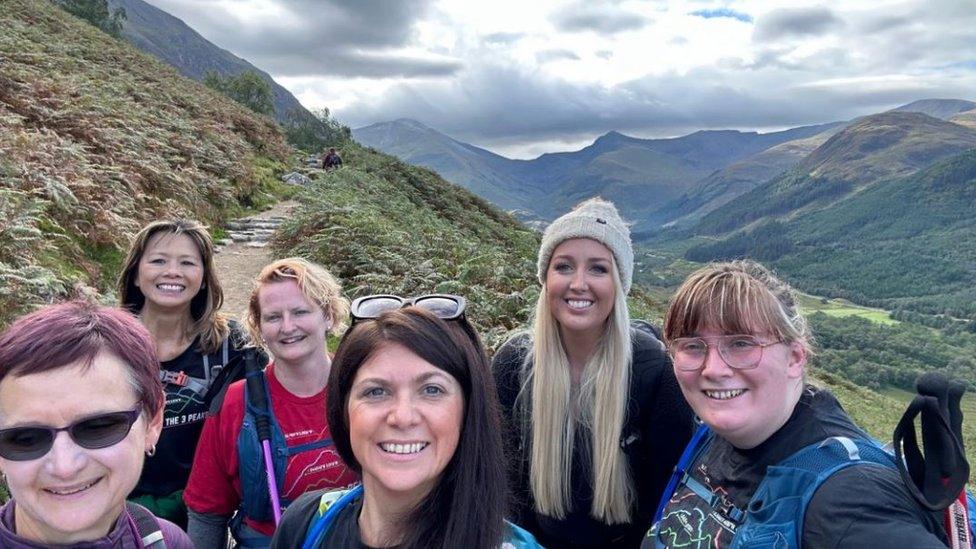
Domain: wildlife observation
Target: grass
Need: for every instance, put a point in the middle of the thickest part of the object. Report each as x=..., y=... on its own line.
x=879, y=412
x=841, y=308
x=96, y=139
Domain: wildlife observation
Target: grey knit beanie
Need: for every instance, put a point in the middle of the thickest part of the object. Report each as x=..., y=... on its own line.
x=598, y=219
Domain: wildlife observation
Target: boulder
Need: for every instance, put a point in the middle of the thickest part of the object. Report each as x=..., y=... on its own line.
x=295, y=178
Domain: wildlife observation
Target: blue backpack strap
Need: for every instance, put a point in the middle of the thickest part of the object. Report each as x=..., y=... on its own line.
x=777, y=508
x=691, y=452
x=330, y=505
x=255, y=501
x=308, y=446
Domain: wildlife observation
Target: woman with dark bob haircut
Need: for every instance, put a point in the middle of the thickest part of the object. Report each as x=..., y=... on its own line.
x=170, y=283
x=80, y=407
x=411, y=405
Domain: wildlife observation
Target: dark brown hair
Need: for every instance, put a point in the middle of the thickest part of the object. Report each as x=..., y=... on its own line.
x=466, y=506
x=207, y=323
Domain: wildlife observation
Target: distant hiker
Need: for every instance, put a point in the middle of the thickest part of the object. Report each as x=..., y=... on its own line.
x=331, y=160
x=169, y=281
x=81, y=406
x=594, y=418
x=294, y=305
x=752, y=475
x=412, y=407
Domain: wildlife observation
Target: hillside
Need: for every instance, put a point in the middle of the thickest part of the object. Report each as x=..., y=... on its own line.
x=482, y=172
x=908, y=243
x=98, y=138
x=870, y=151
x=966, y=118
x=938, y=108
x=722, y=186
x=171, y=40
x=384, y=226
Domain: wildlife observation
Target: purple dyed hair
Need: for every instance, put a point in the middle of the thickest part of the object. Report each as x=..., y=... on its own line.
x=59, y=335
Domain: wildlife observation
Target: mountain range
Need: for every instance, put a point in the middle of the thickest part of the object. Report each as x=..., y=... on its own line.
x=663, y=182
x=171, y=40
x=643, y=174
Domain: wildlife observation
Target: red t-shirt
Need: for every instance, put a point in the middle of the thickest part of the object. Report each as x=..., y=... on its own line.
x=215, y=484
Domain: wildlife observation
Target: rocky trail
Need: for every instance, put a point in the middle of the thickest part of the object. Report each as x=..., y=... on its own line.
x=241, y=256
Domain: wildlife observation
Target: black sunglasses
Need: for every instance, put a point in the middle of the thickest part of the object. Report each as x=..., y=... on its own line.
x=443, y=306
x=93, y=432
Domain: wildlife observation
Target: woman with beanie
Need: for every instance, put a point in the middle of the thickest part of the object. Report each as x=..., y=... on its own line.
x=594, y=418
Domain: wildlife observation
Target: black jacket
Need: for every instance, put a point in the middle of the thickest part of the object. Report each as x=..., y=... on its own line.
x=657, y=428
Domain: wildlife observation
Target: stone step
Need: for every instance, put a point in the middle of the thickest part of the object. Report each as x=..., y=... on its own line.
x=253, y=224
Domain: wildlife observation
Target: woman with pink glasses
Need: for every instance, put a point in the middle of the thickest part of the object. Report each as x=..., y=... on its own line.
x=777, y=463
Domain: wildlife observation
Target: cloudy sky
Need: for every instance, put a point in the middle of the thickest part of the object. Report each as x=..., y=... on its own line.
x=523, y=77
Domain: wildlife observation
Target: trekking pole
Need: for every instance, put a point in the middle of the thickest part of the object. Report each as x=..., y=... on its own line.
x=258, y=398
x=957, y=514
x=937, y=478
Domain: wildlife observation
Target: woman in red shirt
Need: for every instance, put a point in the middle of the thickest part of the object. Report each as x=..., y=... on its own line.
x=295, y=304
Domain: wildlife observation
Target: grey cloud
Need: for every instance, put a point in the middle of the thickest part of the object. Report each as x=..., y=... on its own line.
x=361, y=64
x=602, y=19
x=887, y=23
x=604, y=54
x=503, y=106
x=316, y=36
x=504, y=37
x=555, y=55
x=795, y=22
x=779, y=57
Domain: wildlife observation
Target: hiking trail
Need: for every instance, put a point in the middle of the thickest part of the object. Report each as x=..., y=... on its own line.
x=241, y=256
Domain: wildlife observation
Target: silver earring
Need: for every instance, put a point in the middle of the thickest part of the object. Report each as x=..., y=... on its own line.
x=151, y=451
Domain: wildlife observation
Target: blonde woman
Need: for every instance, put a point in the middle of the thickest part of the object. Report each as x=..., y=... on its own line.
x=294, y=305
x=169, y=281
x=595, y=420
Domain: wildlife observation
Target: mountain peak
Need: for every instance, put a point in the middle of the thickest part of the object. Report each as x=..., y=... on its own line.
x=892, y=143
x=411, y=123
x=937, y=108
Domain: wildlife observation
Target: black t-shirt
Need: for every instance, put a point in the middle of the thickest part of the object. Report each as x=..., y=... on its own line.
x=343, y=534
x=186, y=408
x=658, y=426
x=860, y=506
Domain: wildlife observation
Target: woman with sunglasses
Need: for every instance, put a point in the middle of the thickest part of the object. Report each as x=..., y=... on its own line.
x=740, y=348
x=169, y=281
x=80, y=407
x=412, y=408
x=594, y=417
x=293, y=307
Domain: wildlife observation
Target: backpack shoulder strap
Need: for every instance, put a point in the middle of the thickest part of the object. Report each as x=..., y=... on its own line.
x=330, y=505
x=691, y=452
x=150, y=534
x=778, y=507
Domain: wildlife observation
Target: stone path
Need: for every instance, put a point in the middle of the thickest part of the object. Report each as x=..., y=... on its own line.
x=241, y=257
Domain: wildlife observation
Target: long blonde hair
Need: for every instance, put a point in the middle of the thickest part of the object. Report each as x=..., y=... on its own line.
x=600, y=407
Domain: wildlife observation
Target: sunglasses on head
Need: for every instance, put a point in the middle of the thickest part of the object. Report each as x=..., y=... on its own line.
x=92, y=432
x=443, y=306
